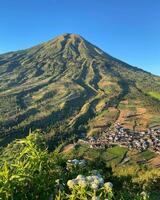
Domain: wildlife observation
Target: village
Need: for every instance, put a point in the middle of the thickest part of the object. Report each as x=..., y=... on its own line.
x=122, y=136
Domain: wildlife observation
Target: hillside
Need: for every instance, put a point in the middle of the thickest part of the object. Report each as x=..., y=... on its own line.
x=28, y=171
x=68, y=85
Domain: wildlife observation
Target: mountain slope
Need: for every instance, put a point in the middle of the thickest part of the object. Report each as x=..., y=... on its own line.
x=68, y=85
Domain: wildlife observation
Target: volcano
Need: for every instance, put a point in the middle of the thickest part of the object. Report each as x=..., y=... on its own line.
x=69, y=86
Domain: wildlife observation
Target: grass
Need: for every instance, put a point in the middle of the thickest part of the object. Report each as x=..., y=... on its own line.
x=110, y=155
x=117, y=150
x=155, y=95
x=147, y=155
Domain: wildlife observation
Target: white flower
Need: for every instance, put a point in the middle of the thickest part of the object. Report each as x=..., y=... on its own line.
x=90, y=178
x=71, y=183
x=95, y=177
x=82, y=162
x=75, y=161
x=80, y=177
x=94, y=186
x=82, y=183
x=144, y=195
x=108, y=186
x=96, y=181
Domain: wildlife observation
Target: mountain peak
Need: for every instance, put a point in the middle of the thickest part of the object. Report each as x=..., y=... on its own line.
x=69, y=44
x=67, y=37
x=73, y=45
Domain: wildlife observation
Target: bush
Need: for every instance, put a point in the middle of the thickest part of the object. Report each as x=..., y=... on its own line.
x=28, y=171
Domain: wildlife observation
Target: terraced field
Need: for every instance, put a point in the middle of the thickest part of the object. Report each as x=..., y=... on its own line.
x=68, y=86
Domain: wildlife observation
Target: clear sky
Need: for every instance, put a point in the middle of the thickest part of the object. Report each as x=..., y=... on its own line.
x=126, y=29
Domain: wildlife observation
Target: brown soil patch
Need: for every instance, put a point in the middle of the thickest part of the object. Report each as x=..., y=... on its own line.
x=68, y=148
x=141, y=110
x=155, y=162
x=121, y=117
x=104, y=83
x=140, y=116
x=125, y=102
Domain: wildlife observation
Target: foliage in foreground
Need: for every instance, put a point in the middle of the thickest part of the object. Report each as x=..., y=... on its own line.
x=32, y=172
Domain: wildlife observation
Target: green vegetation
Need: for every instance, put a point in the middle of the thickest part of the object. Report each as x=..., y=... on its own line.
x=67, y=87
x=28, y=171
x=67, y=81
x=155, y=95
x=147, y=155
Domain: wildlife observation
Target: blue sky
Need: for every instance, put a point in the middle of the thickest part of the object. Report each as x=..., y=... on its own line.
x=126, y=29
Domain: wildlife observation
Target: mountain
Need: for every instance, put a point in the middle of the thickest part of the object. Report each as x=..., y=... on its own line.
x=69, y=86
